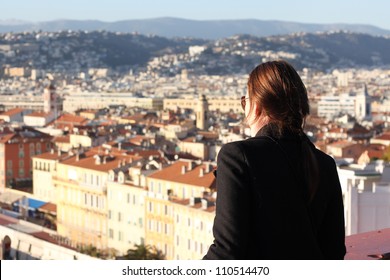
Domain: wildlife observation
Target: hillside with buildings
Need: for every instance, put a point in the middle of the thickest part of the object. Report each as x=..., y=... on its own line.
x=71, y=52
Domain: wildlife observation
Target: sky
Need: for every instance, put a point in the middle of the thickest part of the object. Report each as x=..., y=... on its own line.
x=373, y=12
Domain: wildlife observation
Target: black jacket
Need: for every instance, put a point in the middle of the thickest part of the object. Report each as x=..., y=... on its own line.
x=262, y=210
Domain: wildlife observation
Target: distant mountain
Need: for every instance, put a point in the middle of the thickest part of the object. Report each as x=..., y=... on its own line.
x=176, y=27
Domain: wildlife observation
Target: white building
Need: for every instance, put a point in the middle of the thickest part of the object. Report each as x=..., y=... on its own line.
x=98, y=100
x=357, y=105
x=366, y=193
x=38, y=119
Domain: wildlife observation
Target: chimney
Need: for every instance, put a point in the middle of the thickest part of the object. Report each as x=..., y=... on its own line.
x=77, y=156
x=208, y=168
x=191, y=165
x=183, y=169
x=119, y=146
x=104, y=159
x=201, y=173
x=97, y=160
x=194, y=200
x=59, y=152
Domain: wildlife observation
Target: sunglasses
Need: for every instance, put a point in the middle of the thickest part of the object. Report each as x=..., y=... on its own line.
x=243, y=102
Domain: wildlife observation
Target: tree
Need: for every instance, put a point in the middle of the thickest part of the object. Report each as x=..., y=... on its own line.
x=386, y=155
x=144, y=252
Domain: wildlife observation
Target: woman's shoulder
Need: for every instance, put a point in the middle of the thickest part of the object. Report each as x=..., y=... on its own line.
x=257, y=142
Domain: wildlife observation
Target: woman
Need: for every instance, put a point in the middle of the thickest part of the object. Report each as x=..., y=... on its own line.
x=278, y=197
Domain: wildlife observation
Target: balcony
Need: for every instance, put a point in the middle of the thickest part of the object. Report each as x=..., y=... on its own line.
x=373, y=245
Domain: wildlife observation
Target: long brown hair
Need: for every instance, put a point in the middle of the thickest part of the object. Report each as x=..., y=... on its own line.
x=279, y=92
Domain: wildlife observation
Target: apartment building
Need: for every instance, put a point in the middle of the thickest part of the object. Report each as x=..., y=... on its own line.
x=81, y=186
x=182, y=180
x=17, y=147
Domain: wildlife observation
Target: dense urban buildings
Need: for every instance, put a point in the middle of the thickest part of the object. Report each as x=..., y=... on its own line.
x=96, y=161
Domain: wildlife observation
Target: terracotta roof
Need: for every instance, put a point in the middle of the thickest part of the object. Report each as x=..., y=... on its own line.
x=361, y=246
x=385, y=136
x=62, y=139
x=50, y=238
x=87, y=160
x=52, y=156
x=6, y=220
x=375, y=150
x=49, y=208
x=6, y=137
x=341, y=144
x=137, y=139
x=173, y=173
x=12, y=112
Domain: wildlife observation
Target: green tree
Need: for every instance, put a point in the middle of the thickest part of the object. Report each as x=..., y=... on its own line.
x=386, y=155
x=144, y=252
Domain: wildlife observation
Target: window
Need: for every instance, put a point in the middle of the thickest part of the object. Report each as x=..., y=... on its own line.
x=109, y=214
x=189, y=244
x=177, y=240
x=166, y=209
x=32, y=150
x=21, y=163
x=111, y=233
x=128, y=198
x=119, y=236
x=119, y=216
x=150, y=207
x=38, y=148
x=189, y=222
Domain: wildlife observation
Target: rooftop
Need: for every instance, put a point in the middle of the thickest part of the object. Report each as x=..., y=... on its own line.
x=369, y=245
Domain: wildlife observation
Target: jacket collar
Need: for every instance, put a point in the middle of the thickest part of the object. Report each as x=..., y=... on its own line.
x=272, y=130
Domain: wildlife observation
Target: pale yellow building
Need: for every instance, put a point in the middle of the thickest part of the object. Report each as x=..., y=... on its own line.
x=44, y=170
x=126, y=191
x=81, y=184
x=223, y=104
x=181, y=180
x=193, y=228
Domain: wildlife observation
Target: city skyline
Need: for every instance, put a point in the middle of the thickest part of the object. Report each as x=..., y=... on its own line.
x=304, y=11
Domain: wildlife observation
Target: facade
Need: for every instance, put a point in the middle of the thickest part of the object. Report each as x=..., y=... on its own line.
x=180, y=181
x=81, y=186
x=17, y=147
x=38, y=119
x=193, y=223
x=223, y=104
x=34, y=102
x=366, y=193
x=357, y=105
x=14, y=115
x=44, y=171
x=95, y=100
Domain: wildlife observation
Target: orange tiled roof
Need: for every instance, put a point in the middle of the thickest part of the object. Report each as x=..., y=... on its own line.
x=52, y=156
x=191, y=177
x=6, y=137
x=87, y=160
x=12, y=112
x=71, y=119
x=62, y=139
